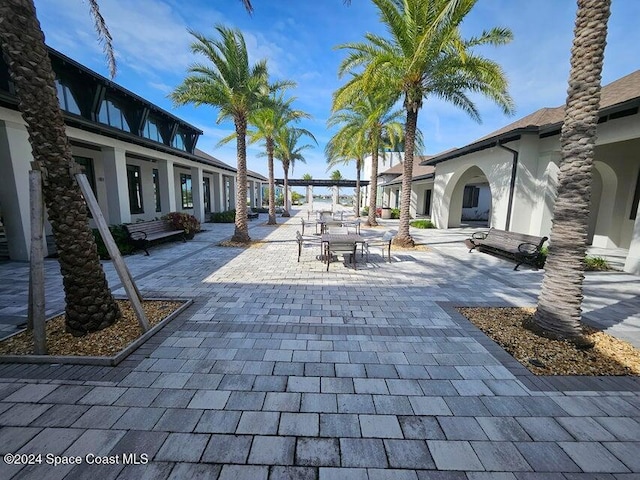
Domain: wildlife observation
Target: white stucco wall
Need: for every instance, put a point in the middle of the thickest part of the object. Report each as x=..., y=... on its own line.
x=109, y=157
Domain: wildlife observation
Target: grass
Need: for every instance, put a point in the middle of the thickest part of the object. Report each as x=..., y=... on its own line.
x=422, y=224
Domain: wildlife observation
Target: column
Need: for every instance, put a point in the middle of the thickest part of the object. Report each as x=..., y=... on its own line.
x=251, y=191
x=167, y=186
x=15, y=158
x=197, y=193
x=632, y=264
x=115, y=178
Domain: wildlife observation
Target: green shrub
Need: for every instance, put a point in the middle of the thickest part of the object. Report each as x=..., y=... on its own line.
x=224, y=217
x=120, y=236
x=596, y=264
x=365, y=212
x=183, y=221
x=422, y=224
x=395, y=213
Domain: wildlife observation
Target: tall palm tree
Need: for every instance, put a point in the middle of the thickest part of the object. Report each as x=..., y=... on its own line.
x=289, y=152
x=89, y=303
x=425, y=55
x=368, y=116
x=336, y=176
x=237, y=89
x=346, y=146
x=559, y=304
x=266, y=123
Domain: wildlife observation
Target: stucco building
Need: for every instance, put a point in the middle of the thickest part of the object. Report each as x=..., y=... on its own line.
x=142, y=161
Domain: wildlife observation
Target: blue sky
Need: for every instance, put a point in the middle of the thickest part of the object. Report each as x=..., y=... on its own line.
x=298, y=39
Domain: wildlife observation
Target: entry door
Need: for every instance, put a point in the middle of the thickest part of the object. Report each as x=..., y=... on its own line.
x=427, y=202
x=207, y=194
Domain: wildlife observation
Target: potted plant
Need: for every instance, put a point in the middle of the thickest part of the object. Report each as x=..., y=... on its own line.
x=183, y=221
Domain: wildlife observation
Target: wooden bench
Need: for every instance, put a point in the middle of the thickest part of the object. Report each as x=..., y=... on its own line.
x=141, y=234
x=518, y=246
x=251, y=214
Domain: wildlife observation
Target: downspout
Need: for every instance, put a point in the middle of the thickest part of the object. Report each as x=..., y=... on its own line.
x=512, y=186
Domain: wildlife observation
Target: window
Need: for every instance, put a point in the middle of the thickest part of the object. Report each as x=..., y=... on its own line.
x=65, y=98
x=86, y=164
x=134, y=180
x=206, y=188
x=470, y=196
x=636, y=200
x=185, y=189
x=427, y=202
x=178, y=141
x=111, y=114
x=156, y=189
x=151, y=130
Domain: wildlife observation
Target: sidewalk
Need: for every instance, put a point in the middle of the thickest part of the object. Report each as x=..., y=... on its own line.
x=283, y=370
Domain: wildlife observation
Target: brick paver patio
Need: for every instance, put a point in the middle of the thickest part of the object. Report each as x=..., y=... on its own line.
x=281, y=370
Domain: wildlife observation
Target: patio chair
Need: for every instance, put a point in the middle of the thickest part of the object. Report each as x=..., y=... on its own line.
x=336, y=248
x=383, y=243
x=311, y=240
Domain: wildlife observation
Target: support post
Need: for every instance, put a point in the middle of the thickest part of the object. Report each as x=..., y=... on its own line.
x=123, y=272
x=36, y=319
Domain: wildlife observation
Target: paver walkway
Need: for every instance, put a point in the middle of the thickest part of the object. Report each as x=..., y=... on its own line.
x=283, y=370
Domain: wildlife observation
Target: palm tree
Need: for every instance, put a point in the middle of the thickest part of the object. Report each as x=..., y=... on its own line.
x=369, y=118
x=559, y=304
x=288, y=152
x=89, y=303
x=336, y=176
x=268, y=121
x=237, y=89
x=426, y=56
x=346, y=146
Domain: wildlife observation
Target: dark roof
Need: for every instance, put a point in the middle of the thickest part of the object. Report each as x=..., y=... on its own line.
x=211, y=160
x=619, y=95
x=119, y=88
x=419, y=171
x=257, y=175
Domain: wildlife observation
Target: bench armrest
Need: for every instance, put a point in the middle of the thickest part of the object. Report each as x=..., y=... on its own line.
x=138, y=235
x=479, y=235
x=528, y=248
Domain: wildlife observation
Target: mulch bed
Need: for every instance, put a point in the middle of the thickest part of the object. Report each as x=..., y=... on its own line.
x=103, y=343
x=542, y=356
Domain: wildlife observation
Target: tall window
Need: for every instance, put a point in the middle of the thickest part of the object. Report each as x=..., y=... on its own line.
x=427, y=202
x=470, y=196
x=185, y=189
x=151, y=130
x=636, y=200
x=206, y=188
x=134, y=180
x=178, y=142
x=65, y=98
x=156, y=189
x=87, y=168
x=111, y=114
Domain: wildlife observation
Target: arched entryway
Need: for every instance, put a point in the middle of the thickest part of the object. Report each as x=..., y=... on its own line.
x=470, y=199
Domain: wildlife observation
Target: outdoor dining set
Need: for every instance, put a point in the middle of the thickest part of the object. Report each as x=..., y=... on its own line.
x=336, y=234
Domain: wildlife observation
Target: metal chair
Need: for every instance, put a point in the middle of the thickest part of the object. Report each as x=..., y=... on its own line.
x=383, y=243
x=307, y=240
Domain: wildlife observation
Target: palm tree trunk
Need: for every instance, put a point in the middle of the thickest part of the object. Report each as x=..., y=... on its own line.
x=373, y=188
x=404, y=238
x=285, y=197
x=559, y=305
x=358, y=172
x=89, y=303
x=272, y=184
x=241, y=233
